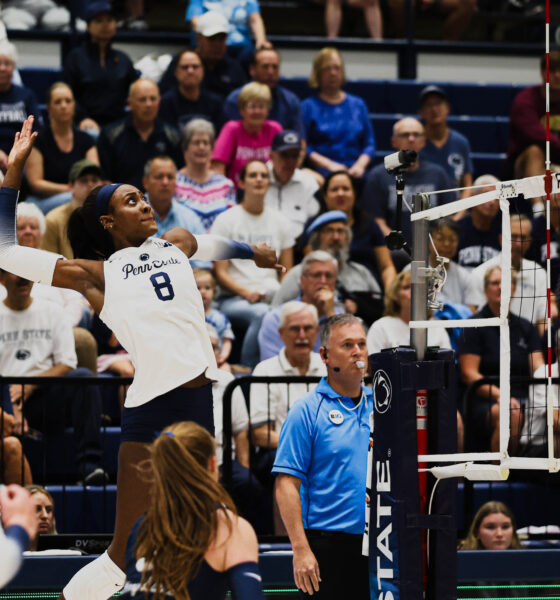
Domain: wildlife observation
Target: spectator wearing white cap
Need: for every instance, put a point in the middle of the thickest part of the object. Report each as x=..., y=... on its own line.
x=246, y=28
x=292, y=190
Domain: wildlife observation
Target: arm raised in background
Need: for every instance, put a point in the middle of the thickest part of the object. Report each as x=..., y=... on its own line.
x=84, y=276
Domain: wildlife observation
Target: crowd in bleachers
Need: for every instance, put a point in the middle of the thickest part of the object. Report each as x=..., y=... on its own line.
x=221, y=144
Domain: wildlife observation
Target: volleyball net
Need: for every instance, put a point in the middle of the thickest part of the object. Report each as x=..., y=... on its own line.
x=530, y=297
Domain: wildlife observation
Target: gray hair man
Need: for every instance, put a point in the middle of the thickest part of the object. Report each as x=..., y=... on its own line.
x=318, y=273
x=298, y=328
x=355, y=284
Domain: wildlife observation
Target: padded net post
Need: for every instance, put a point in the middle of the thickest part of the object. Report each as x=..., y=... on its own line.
x=419, y=285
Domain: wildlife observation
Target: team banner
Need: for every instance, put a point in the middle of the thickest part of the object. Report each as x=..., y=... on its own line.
x=405, y=392
x=395, y=550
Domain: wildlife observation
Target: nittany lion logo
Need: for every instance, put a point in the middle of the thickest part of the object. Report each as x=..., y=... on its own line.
x=144, y=256
x=23, y=354
x=382, y=391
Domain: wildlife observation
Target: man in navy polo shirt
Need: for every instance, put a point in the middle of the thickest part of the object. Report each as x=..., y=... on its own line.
x=321, y=466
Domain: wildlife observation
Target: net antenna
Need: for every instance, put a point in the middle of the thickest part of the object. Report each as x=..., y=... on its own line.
x=548, y=189
x=529, y=187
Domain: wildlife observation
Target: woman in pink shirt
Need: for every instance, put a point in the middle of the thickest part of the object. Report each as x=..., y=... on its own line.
x=248, y=139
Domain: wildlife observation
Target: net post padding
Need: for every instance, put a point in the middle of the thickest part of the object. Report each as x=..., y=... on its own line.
x=396, y=519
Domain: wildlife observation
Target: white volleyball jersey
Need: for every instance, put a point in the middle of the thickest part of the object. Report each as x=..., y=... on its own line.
x=155, y=310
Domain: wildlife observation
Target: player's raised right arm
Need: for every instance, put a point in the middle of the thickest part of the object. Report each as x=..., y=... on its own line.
x=36, y=265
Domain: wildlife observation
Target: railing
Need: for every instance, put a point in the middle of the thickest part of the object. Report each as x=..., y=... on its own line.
x=471, y=393
x=227, y=400
x=407, y=49
x=66, y=381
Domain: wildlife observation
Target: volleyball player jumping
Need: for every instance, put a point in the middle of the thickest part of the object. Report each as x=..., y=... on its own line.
x=144, y=290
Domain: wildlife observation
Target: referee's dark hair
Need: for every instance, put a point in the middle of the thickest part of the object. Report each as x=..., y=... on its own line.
x=87, y=236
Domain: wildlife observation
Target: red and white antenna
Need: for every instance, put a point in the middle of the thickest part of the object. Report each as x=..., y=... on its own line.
x=548, y=189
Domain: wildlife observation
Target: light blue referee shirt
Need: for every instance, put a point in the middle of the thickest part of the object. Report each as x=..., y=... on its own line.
x=326, y=446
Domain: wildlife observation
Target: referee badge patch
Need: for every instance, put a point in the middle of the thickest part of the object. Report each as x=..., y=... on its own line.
x=336, y=417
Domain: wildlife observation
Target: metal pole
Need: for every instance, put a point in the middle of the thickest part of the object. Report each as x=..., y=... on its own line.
x=419, y=284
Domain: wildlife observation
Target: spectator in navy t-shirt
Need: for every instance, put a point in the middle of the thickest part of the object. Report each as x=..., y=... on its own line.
x=480, y=356
x=125, y=146
x=16, y=103
x=445, y=146
x=379, y=196
x=479, y=238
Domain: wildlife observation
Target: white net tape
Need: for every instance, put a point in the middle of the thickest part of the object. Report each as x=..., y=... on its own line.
x=531, y=187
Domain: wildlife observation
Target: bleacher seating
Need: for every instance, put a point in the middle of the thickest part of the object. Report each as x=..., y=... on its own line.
x=479, y=111
x=401, y=96
x=81, y=509
x=55, y=456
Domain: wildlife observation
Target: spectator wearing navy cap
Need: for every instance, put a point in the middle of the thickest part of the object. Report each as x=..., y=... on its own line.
x=444, y=146
x=98, y=74
x=292, y=190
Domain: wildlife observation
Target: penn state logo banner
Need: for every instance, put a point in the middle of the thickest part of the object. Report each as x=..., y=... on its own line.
x=395, y=549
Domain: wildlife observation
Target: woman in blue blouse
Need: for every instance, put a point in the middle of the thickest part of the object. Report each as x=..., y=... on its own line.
x=337, y=126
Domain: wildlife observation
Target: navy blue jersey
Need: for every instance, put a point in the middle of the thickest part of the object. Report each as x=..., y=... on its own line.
x=485, y=342
x=243, y=579
x=475, y=246
x=454, y=156
x=379, y=196
x=537, y=252
x=16, y=104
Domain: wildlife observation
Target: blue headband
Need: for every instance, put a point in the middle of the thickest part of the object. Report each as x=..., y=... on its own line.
x=103, y=198
x=169, y=433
